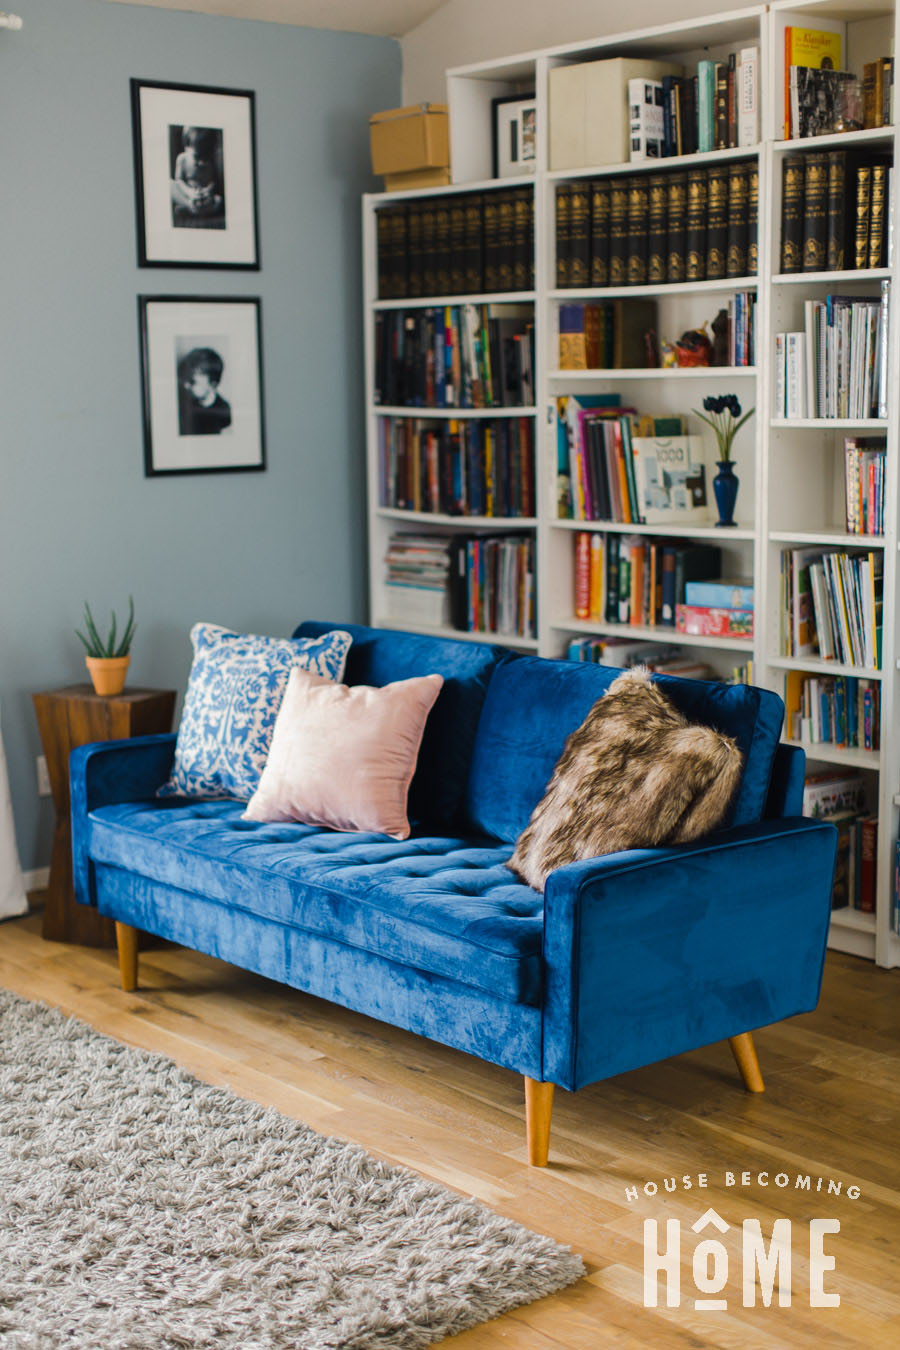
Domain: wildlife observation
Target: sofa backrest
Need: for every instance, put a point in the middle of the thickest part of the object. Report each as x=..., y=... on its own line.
x=533, y=704
x=378, y=656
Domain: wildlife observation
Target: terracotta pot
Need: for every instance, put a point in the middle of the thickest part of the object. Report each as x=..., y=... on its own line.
x=107, y=673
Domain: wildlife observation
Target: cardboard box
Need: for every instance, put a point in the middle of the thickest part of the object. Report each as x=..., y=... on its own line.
x=589, y=121
x=406, y=140
x=419, y=178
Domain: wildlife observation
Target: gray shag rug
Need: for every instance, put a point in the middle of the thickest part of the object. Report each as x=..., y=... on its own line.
x=141, y=1208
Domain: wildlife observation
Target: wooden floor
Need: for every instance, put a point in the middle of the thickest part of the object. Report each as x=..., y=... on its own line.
x=831, y=1109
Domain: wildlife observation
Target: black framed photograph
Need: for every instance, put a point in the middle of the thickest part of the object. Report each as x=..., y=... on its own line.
x=201, y=367
x=195, y=176
x=514, y=134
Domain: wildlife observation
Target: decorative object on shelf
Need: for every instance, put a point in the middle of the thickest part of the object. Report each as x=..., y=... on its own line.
x=201, y=367
x=195, y=176
x=107, y=660
x=514, y=134
x=719, y=327
x=726, y=421
x=694, y=348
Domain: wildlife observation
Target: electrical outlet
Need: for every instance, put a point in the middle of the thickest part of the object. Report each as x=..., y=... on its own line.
x=43, y=777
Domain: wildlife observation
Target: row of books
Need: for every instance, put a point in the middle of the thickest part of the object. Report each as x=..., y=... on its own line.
x=608, y=335
x=456, y=245
x=455, y=356
x=607, y=470
x=715, y=109
x=660, y=657
x=840, y=798
x=693, y=225
x=457, y=468
x=838, y=365
x=831, y=605
x=864, y=469
x=837, y=710
x=634, y=580
x=835, y=213
x=474, y=583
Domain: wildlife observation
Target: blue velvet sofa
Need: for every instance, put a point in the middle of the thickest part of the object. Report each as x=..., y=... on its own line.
x=624, y=960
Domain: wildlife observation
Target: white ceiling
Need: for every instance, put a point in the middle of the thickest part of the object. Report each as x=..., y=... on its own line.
x=382, y=18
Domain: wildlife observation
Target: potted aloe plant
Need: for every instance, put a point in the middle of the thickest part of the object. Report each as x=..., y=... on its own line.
x=107, y=661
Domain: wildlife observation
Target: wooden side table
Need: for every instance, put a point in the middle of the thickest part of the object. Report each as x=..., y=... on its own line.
x=76, y=716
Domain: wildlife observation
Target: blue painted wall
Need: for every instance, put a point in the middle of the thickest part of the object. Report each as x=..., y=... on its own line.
x=77, y=517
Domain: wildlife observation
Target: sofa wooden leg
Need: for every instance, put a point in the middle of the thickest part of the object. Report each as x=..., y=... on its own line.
x=538, y=1110
x=127, y=942
x=744, y=1052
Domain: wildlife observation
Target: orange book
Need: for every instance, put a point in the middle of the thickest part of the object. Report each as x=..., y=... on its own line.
x=598, y=577
x=637, y=584
x=582, y=575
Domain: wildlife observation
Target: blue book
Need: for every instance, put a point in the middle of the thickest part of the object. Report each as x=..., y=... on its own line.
x=725, y=594
x=706, y=106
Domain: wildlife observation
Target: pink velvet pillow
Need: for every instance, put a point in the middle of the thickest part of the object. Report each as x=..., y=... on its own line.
x=344, y=755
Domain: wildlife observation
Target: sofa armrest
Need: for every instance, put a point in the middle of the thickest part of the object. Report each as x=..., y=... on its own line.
x=105, y=772
x=651, y=952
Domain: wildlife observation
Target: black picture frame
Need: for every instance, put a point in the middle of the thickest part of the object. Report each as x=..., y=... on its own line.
x=513, y=131
x=201, y=384
x=196, y=193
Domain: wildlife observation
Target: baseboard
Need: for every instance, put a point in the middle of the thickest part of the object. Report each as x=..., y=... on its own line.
x=38, y=879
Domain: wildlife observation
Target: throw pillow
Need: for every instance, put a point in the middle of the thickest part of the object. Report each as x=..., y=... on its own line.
x=344, y=756
x=235, y=688
x=635, y=774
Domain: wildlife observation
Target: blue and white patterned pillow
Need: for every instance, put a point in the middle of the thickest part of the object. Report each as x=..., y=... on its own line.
x=235, y=689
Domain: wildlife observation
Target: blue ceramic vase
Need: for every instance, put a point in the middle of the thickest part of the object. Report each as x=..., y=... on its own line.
x=725, y=486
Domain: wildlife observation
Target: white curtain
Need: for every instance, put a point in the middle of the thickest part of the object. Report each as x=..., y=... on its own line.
x=12, y=884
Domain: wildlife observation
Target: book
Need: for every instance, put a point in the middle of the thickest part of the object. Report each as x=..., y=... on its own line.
x=792, y=185
x=877, y=211
x=657, y=232
x=523, y=241
x=717, y=176
x=828, y=793
x=836, y=211
x=473, y=248
x=752, y=218
x=492, y=244
x=670, y=480
x=695, y=225
x=721, y=106
x=748, y=103
x=618, y=231
x=582, y=575
x=721, y=594
x=868, y=855
x=645, y=106
x=579, y=236
x=861, y=229
x=563, y=233
x=812, y=48
x=706, y=106
x=579, y=337
x=815, y=202
x=637, y=227
x=738, y=221
x=600, y=232
x=705, y=621
x=676, y=226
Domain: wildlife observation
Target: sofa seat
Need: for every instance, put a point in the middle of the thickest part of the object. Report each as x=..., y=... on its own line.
x=447, y=906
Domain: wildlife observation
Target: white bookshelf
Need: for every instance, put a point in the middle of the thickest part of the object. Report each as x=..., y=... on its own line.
x=790, y=470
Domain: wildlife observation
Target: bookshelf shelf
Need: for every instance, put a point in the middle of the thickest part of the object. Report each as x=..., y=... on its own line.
x=740, y=533
x=829, y=423
x=665, y=288
x=454, y=414
x=828, y=538
x=652, y=632
x=461, y=523
x=502, y=639
x=438, y=301
x=792, y=472
x=679, y=373
x=833, y=754
x=847, y=278
x=654, y=165
x=816, y=667
x=839, y=140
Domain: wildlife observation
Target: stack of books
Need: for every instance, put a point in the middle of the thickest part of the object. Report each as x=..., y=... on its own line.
x=455, y=356
x=492, y=584
x=842, y=711
x=662, y=658
x=716, y=608
x=650, y=229
x=864, y=465
x=477, y=242
x=813, y=81
x=841, y=799
x=831, y=605
x=834, y=211
x=637, y=580
x=715, y=109
x=418, y=570
x=838, y=365
x=457, y=468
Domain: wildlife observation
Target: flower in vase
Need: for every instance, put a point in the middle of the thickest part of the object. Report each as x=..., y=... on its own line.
x=725, y=420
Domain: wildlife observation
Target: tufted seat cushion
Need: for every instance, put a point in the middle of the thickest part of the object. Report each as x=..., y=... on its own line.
x=447, y=906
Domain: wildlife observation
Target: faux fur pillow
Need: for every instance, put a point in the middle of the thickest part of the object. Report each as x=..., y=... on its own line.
x=635, y=774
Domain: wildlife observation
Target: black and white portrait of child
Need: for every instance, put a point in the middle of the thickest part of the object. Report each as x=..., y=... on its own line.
x=202, y=409
x=197, y=178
